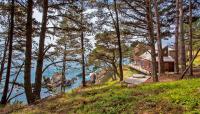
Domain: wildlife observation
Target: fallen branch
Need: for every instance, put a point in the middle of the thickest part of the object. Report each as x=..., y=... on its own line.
x=14, y=81
x=57, y=63
x=183, y=74
x=15, y=96
x=18, y=84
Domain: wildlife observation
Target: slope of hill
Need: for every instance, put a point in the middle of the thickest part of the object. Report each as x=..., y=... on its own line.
x=111, y=98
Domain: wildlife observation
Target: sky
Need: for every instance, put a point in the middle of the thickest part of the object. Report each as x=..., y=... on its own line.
x=38, y=16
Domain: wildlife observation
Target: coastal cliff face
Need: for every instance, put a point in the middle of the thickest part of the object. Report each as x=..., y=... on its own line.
x=56, y=77
x=103, y=76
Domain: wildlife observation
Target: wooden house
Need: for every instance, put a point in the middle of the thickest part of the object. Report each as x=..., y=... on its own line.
x=144, y=60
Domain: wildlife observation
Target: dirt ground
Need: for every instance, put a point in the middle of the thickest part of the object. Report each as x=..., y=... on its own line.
x=173, y=77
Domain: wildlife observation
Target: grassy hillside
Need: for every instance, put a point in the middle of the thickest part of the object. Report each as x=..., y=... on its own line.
x=128, y=72
x=112, y=98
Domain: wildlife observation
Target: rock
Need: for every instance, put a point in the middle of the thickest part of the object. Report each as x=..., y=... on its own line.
x=131, y=85
x=139, y=76
x=74, y=78
x=133, y=80
x=92, y=77
x=46, y=80
x=56, y=78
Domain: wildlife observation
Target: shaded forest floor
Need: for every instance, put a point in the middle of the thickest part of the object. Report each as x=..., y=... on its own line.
x=114, y=97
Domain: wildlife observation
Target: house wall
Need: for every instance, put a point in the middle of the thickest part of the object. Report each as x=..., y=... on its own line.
x=169, y=66
x=172, y=53
x=146, y=64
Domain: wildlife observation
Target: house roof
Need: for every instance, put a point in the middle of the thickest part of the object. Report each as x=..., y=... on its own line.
x=147, y=56
x=163, y=46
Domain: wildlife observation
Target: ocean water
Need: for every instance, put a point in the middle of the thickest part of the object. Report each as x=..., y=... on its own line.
x=73, y=70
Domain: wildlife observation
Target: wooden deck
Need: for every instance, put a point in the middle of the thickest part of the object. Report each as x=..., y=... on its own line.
x=139, y=69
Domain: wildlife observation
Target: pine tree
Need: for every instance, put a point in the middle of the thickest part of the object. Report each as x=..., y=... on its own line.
x=118, y=40
x=181, y=37
x=159, y=41
x=151, y=38
x=39, y=67
x=28, y=54
x=6, y=87
x=106, y=55
x=176, y=60
x=190, y=37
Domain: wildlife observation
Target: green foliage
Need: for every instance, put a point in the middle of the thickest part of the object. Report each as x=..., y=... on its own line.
x=196, y=33
x=128, y=71
x=197, y=60
x=105, y=51
x=184, y=94
x=111, y=98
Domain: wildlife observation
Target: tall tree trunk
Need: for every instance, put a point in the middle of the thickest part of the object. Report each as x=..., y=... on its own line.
x=159, y=42
x=181, y=36
x=38, y=77
x=6, y=86
x=28, y=54
x=4, y=53
x=64, y=69
x=82, y=49
x=151, y=39
x=176, y=62
x=83, y=59
x=4, y=56
x=190, y=42
x=118, y=41
x=115, y=71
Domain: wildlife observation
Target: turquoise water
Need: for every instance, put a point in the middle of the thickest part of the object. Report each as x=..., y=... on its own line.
x=73, y=70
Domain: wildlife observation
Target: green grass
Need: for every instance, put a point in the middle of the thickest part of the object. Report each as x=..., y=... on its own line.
x=112, y=98
x=127, y=71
